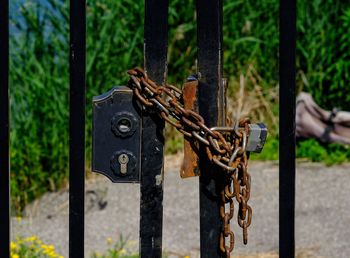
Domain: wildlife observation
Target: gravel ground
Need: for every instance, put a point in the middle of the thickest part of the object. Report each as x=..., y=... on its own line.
x=322, y=213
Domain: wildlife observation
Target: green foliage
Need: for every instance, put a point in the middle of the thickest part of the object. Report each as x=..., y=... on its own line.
x=270, y=151
x=39, y=69
x=309, y=149
x=324, y=51
x=40, y=80
x=39, y=101
x=315, y=151
x=251, y=38
x=323, y=63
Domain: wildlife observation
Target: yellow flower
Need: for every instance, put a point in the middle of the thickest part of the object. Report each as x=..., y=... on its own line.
x=13, y=245
x=187, y=256
x=49, y=250
x=109, y=241
x=31, y=239
x=34, y=246
x=19, y=218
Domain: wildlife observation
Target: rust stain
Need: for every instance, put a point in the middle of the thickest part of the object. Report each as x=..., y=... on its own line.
x=190, y=166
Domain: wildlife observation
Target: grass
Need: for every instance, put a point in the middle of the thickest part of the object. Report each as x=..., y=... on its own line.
x=39, y=73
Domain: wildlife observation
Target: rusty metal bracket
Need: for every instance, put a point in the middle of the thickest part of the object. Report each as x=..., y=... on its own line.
x=190, y=165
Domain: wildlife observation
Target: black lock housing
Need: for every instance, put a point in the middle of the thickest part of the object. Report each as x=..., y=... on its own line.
x=117, y=131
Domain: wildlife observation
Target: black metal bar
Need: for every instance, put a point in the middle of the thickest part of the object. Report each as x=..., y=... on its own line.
x=151, y=206
x=209, y=36
x=287, y=128
x=77, y=128
x=4, y=131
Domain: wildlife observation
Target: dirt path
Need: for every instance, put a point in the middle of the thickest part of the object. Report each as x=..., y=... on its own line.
x=322, y=213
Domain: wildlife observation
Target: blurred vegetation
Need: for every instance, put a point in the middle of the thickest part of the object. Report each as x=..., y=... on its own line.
x=329, y=154
x=40, y=80
x=324, y=51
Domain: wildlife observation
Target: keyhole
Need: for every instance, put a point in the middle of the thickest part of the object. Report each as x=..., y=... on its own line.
x=123, y=161
x=124, y=125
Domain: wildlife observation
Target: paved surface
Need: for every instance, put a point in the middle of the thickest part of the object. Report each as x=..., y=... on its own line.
x=322, y=213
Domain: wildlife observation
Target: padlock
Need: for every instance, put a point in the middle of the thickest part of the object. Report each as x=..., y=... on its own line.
x=116, y=135
x=257, y=137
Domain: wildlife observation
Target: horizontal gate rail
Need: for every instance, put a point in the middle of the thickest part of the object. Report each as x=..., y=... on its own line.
x=287, y=129
x=77, y=128
x=4, y=131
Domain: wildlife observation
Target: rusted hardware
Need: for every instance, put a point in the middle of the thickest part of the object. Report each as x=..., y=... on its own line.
x=168, y=100
x=189, y=166
x=236, y=185
x=224, y=146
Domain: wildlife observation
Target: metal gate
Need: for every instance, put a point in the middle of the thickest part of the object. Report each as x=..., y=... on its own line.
x=209, y=41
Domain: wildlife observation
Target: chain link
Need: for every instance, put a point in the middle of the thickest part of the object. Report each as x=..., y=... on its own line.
x=226, y=147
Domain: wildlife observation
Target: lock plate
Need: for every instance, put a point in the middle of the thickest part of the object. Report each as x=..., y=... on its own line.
x=116, y=135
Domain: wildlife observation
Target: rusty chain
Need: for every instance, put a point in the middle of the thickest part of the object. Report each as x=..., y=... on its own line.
x=226, y=147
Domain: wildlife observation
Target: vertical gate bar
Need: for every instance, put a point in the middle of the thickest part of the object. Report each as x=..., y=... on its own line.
x=209, y=40
x=4, y=131
x=287, y=128
x=151, y=203
x=77, y=128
